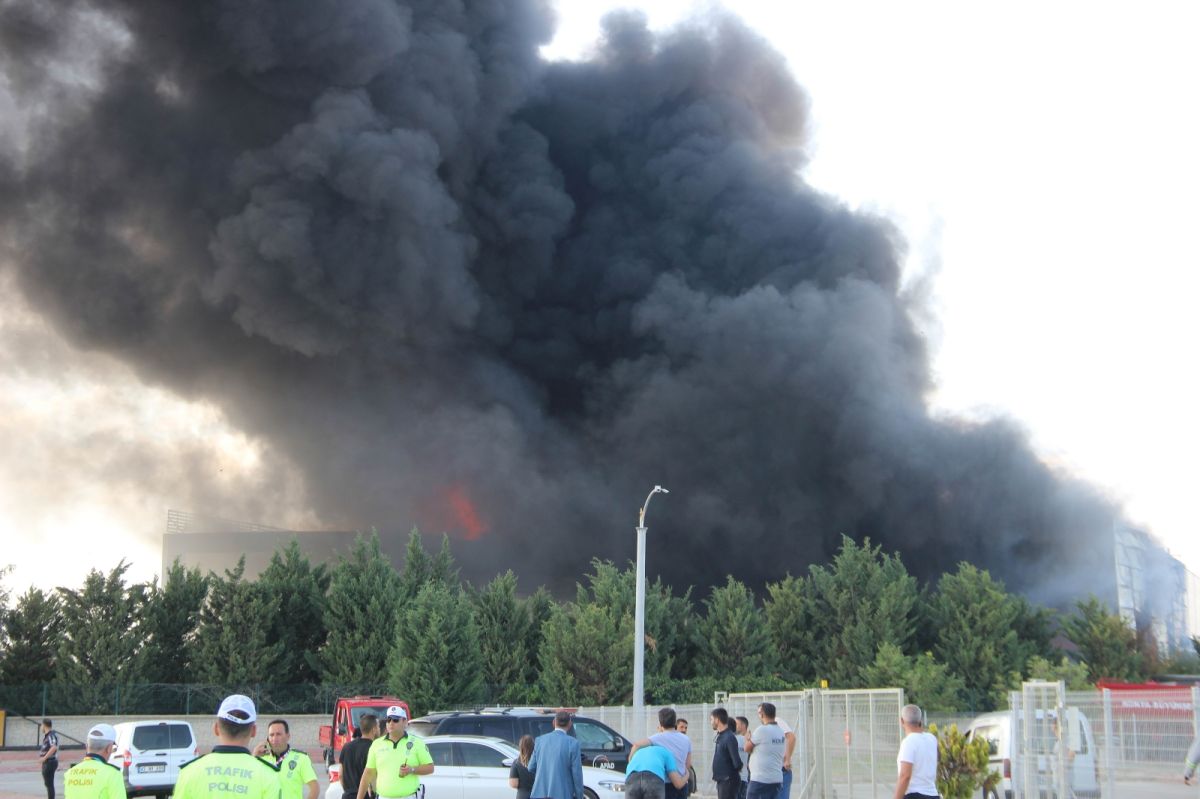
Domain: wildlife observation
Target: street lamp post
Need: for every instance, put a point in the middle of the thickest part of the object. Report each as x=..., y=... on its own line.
x=639, y=611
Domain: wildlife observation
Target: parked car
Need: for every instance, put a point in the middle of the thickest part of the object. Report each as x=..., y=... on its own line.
x=150, y=754
x=476, y=767
x=347, y=710
x=600, y=745
x=1083, y=770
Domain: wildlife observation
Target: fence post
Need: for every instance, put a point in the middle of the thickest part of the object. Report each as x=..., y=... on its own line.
x=1108, y=741
x=45, y=698
x=117, y=699
x=871, y=736
x=846, y=740
x=1196, y=711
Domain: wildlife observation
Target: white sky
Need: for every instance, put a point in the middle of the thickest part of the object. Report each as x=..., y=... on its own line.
x=1043, y=158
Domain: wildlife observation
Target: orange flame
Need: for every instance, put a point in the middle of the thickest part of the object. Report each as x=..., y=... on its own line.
x=465, y=513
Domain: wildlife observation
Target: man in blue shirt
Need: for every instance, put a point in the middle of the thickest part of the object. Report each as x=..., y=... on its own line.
x=648, y=771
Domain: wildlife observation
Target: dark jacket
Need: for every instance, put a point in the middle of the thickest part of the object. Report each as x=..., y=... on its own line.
x=727, y=763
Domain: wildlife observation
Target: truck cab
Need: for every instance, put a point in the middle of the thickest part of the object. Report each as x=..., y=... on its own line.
x=346, y=713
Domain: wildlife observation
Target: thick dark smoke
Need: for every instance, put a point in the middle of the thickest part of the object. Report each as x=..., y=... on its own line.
x=415, y=258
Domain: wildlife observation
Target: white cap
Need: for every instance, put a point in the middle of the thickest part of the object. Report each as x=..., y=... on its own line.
x=237, y=708
x=102, y=733
x=397, y=712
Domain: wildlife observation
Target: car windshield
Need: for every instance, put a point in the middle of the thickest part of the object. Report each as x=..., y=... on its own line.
x=379, y=711
x=162, y=736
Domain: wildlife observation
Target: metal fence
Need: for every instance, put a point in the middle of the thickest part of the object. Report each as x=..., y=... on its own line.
x=1119, y=744
x=846, y=741
x=56, y=699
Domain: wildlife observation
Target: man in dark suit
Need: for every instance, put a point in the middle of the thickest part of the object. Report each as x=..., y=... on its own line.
x=556, y=764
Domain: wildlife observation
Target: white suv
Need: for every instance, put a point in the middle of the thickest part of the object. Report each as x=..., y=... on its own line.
x=150, y=753
x=476, y=767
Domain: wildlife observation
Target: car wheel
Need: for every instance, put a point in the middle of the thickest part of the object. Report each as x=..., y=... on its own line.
x=588, y=793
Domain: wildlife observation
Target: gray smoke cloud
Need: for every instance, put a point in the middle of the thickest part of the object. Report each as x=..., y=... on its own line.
x=424, y=264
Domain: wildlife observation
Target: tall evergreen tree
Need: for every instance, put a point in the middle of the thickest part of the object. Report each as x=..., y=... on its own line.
x=169, y=621
x=503, y=636
x=733, y=637
x=974, y=624
x=101, y=643
x=1107, y=644
x=32, y=630
x=360, y=615
x=537, y=607
x=862, y=600
x=299, y=625
x=789, y=607
x=585, y=655
x=233, y=644
x=436, y=661
x=417, y=567
x=100, y=633
x=442, y=568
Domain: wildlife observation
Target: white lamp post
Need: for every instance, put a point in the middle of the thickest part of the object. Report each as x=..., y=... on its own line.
x=639, y=612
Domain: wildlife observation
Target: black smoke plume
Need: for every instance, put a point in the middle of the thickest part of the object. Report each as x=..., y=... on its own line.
x=393, y=242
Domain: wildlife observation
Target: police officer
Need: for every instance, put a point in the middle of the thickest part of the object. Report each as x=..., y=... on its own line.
x=48, y=756
x=297, y=780
x=94, y=777
x=397, y=761
x=230, y=771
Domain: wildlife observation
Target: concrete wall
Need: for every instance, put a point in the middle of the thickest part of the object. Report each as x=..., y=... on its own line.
x=22, y=732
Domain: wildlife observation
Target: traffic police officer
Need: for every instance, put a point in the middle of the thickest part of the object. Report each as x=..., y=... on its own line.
x=397, y=761
x=230, y=771
x=297, y=780
x=94, y=777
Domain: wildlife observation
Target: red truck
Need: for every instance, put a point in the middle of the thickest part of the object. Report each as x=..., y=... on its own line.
x=346, y=713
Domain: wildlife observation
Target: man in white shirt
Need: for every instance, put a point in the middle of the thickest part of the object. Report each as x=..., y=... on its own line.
x=917, y=761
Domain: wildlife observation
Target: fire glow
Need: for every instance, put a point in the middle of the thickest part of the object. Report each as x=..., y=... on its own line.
x=465, y=514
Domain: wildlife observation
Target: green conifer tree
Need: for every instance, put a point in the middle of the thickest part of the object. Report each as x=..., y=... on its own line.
x=862, y=600
x=101, y=644
x=503, y=636
x=733, y=637
x=32, y=631
x=436, y=660
x=299, y=588
x=973, y=620
x=360, y=615
x=1107, y=644
x=169, y=621
x=233, y=646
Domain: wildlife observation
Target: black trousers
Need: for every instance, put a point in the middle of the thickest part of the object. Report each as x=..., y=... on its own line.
x=730, y=788
x=48, y=768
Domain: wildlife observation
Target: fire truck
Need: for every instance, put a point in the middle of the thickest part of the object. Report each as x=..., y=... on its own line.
x=346, y=713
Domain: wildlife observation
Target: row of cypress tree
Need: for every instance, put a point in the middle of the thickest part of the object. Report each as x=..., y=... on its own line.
x=861, y=620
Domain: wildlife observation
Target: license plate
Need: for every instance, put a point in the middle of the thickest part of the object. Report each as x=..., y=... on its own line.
x=158, y=767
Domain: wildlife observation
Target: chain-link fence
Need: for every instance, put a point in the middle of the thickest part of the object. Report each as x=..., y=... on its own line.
x=54, y=699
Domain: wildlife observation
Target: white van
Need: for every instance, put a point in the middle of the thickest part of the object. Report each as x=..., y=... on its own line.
x=150, y=754
x=1083, y=770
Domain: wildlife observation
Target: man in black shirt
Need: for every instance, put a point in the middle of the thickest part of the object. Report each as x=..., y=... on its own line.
x=354, y=756
x=727, y=761
x=48, y=756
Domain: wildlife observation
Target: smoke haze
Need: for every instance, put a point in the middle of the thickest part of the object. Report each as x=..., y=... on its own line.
x=428, y=268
